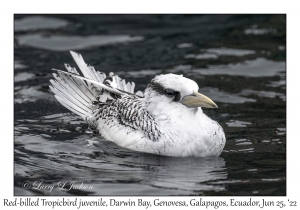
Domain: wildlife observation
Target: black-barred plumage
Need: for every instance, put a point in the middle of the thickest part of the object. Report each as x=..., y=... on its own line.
x=126, y=111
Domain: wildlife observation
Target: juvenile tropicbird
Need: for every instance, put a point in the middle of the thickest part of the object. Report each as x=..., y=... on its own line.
x=166, y=119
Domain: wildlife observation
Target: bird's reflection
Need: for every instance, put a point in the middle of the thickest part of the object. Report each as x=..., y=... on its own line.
x=181, y=173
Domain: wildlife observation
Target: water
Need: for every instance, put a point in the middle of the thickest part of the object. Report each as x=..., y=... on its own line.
x=238, y=60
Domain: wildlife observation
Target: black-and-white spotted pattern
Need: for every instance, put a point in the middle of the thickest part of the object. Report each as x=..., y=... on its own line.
x=126, y=111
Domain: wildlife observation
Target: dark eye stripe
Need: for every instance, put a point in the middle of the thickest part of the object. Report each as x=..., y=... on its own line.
x=161, y=90
x=157, y=87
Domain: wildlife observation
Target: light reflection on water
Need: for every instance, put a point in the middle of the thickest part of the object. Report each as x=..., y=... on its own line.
x=214, y=53
x=19, y=65
x=259, y=31
x=247, y=83
x=25, y=93
x=262, y=94
x=64, y=43
x=23, y=76
x=38, y=22
x=224, y=97
x=260, y=67
x=237, y=123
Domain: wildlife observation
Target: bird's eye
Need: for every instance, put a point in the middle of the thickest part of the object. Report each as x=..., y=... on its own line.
x=170, y=93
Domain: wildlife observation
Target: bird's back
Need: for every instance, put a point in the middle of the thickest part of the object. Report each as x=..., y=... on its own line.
x=126, y=114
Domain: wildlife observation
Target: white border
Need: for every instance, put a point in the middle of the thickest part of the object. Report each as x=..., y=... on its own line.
x=155, y=6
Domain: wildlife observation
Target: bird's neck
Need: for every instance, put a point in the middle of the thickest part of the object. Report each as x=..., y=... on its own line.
x=165, y=110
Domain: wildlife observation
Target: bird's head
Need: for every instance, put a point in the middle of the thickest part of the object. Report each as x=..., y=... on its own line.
x=178, y=91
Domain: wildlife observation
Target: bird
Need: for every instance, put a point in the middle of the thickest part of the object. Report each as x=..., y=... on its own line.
x=166, y=119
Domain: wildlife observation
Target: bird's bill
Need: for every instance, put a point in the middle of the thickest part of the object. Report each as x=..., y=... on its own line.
x=198, y=100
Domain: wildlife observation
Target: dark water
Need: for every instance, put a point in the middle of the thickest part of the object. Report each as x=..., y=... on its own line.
x=237, y=60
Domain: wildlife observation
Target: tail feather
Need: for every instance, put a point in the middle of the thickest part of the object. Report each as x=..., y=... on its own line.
x=71, y=107
x=87, y=71
x=60, y=90
x=77, y=93
x=71, y=69
x=122, y=85
x=99, y=75
x=77, y=86
x=67, y=84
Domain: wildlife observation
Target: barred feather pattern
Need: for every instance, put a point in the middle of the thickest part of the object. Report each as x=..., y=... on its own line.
x=127, y=111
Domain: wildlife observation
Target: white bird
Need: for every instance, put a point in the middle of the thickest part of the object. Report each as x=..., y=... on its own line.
x=166, y=119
